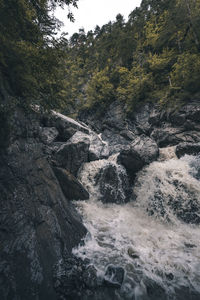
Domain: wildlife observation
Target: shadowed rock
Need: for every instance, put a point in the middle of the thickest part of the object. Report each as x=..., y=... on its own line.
x=71, y=187
x=187, y=148
x=143, y=151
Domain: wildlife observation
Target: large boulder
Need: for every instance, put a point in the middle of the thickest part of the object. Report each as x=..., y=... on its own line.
x=72, y=155
x=113, y=184
x=140, y=153
x=98, y=149
x=71, y=187
x=187, y=148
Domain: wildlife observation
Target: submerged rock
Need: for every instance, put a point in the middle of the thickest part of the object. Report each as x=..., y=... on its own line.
x=170, y=190
x=114, y=276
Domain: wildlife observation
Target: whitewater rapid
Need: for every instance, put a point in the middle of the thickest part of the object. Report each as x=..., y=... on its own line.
x=151, y=242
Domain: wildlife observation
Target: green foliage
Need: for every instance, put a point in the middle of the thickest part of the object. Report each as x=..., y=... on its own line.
x=99, y=90
x=31, y=59
x=152, y=57
x=186, y=72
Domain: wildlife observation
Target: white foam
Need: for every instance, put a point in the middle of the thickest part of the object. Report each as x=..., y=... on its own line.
x=169, y=252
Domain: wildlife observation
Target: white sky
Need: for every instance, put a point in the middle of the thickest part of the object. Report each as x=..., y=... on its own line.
x=95, y=12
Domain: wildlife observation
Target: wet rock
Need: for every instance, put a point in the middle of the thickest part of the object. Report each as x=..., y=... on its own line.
x=113, y=184
x=169, y=276
x=48, y=134
x=187, y=209
x=187, y=148
x=73, y=279
x=141, y=152
x=132, y=253
x=114, y=276
x=185, y=293
x=72, y=155
x=90, y=277
x=154, y=290
x=71, y=187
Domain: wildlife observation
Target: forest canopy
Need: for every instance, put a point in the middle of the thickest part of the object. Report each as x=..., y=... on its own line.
x=154, y=56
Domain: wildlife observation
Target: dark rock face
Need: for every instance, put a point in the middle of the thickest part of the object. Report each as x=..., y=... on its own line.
x=114, y=185
x=38, y=225
x=187, y=148
x=141, y=152
x=71, y=187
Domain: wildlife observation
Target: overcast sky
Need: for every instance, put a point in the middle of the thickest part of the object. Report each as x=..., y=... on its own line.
x=95, y=12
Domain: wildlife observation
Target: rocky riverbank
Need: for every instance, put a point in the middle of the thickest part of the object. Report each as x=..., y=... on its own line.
x=39, y=176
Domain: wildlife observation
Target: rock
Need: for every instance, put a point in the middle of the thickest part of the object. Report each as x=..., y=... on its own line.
x=71, y=187
x=132, y=253
x=154, y=290
x=98, y=149
x=114, y=276
x=37, y=223
x=72, y=155
x=185, y=209
x=187, y=148
x=193, y=113
x=113, y=184
x=116, y=142
x=90, y=277
x=75, y=280
x=141, y=152
x=166, y=136
x=67, y=277
x=66, y=126
x=177, y=119
x=48, y=134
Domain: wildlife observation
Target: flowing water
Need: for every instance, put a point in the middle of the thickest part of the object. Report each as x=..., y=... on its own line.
x=148, y=237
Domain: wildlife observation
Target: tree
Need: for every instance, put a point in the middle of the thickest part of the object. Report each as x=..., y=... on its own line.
x=31, y=59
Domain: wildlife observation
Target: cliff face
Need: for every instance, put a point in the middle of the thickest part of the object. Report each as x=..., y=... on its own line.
x=38, y=225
